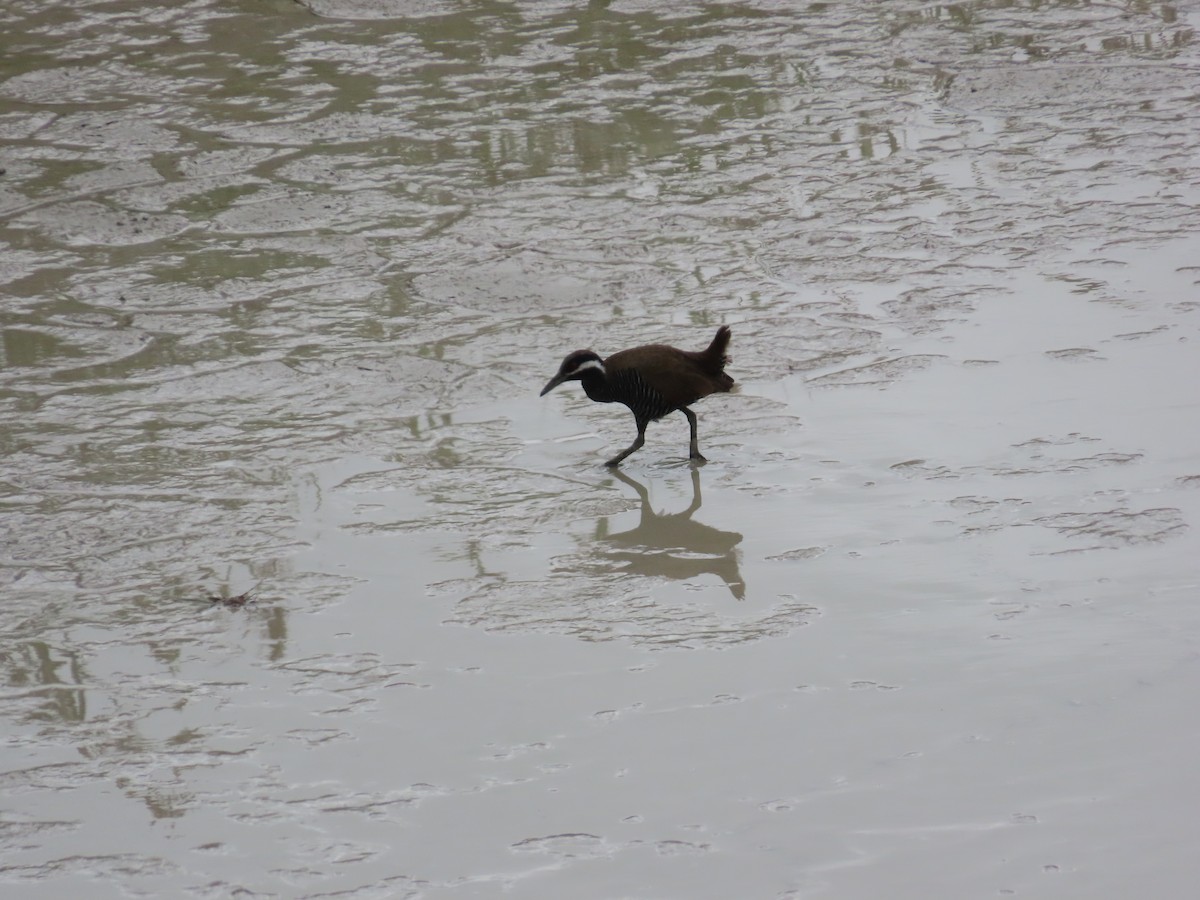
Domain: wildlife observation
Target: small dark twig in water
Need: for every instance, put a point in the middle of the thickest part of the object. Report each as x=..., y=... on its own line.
x=236, y=602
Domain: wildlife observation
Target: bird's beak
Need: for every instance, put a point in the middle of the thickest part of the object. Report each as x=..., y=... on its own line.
x=552, y=384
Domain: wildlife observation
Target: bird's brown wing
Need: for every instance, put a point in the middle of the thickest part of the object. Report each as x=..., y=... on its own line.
x=675, y=374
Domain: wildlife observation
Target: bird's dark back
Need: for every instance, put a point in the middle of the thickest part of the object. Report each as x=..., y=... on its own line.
x=679, y=377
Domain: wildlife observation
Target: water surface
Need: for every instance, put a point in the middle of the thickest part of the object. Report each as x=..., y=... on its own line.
x=281, y=282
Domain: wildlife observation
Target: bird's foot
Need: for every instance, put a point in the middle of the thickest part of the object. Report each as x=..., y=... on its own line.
x=699, y=457
x=613, y=463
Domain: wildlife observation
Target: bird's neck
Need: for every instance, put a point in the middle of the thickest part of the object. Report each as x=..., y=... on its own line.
x=596, y=386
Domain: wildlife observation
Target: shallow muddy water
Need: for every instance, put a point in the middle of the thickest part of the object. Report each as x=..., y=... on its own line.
x=281, y=283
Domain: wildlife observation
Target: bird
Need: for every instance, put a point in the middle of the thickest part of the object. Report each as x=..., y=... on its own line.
x=652, y=380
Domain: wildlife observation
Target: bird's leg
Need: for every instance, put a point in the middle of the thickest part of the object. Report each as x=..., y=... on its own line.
x=637, y=443
x=694, y=446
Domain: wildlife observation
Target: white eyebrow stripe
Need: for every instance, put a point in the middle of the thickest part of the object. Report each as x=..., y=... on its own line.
x=590, y=364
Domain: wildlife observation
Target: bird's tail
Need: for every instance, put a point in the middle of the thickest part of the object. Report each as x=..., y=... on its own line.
x=715, y=356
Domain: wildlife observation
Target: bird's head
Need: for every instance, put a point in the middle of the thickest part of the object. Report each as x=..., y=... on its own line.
x=573, y=368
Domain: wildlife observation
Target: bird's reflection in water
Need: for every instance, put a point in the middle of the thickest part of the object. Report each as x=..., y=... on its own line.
x=671, y=545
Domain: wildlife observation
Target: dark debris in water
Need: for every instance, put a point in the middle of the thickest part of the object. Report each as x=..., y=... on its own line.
x=235, y=602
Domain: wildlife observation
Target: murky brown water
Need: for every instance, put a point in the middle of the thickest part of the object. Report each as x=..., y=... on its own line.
x=280, y=284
